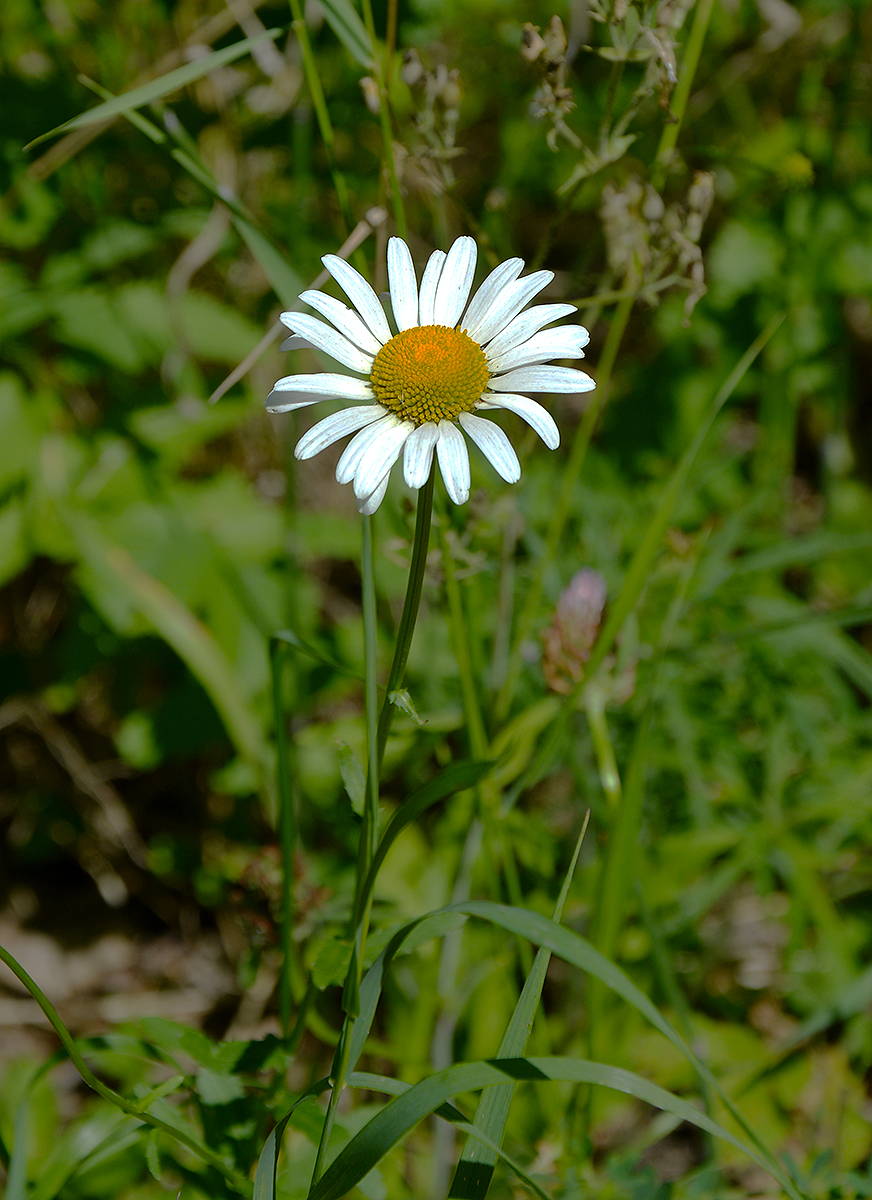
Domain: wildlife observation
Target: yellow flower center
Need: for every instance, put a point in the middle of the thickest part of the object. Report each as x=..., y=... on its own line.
x=430, y=373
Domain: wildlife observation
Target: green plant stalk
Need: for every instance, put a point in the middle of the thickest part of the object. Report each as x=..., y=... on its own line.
x=369, y=825
x=681, y=95
x=287, y=835
x=479, y=746
x=641, y=562
x=382, y=67
x=577, y=454
x=316, y=93
x=640, y=565
x=242, y=1185
x=411, y=604
x=487, y=795
x=377, y=735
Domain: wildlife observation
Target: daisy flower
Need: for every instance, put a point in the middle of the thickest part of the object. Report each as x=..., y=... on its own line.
x=418, y=390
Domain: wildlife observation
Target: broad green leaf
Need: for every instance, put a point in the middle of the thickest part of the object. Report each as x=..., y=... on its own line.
x=157, y=89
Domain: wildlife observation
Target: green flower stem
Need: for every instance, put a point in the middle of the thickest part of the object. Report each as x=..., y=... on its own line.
x=498, y=845
x=478, y=740
x=242, y=1185
x=377, y=735
x=287, y=835
x=571, y=473
x=680, y=97
x=420, y=546
x=316, y=93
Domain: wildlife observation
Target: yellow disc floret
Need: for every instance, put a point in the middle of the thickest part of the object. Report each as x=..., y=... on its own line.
x=430, y=373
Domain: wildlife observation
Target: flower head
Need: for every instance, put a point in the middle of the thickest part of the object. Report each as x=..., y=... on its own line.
x=415, y=389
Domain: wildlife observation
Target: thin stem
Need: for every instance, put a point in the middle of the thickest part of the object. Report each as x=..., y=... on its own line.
x=316, y=93
x=689, y=64
x=420, y=546
x=239, y=1182
x=382, y=73
x=370, y=642
x=377, y=735
x=476, y=733
x=571, y=473
x=287, y=835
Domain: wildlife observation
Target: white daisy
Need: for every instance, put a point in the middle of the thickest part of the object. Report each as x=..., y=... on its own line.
x=449, y=361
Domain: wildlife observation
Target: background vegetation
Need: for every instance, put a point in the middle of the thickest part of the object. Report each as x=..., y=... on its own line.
x=151, y=544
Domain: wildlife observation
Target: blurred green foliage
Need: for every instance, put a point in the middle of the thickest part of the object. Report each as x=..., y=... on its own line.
x=151, y=543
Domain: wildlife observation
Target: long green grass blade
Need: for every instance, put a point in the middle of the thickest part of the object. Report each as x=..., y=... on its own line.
x=581, y=953
x=350, y=29
x=404, y=1113
x=455, y=778
x=265, y=1175
x=395, y=1087
x=156, y=89
x=476, y=1167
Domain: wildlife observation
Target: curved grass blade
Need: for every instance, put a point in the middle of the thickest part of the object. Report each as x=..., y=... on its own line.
x=640, y=564
x=455, y=778
x=395, y=1087
x=156, y=89
x=402, y=1114
x=267, y=1163
x=474, y=1172
x=573, y=949
x=168, y=1120
x=576, y=950
x=350, y=29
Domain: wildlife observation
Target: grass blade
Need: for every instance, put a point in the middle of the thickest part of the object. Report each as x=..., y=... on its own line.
x=401, y=1115
x=156, y=89
x=476, y=1167
x=350, y=29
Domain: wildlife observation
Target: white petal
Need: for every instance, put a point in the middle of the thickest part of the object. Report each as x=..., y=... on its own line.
x=533, y=413
x=564, y=342
x=360, y=294
x=353, y=453
x=274, y=406
x=528, y=323
x=404, y=285
x=326, y=383
x=378, y=458
x=480, y=304
x=543, y=379
x=455, y=281
x=494, y=445
x=509, y=303
x=344, y=319
x=429, y=283
x=332, y=428
x=370, y=503
x=295, y=343
x=325, y=338
x=453, y=461
x=418, y=454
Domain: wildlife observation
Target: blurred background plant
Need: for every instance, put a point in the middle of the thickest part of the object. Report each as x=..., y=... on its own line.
x=689, y=172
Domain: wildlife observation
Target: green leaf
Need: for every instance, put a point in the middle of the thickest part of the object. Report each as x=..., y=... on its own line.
x=455, y=778
x=350, y=29
x=331, y=963
x=475, y=1170
x=401, y=1115
x=352, y=776
x=156, y=89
